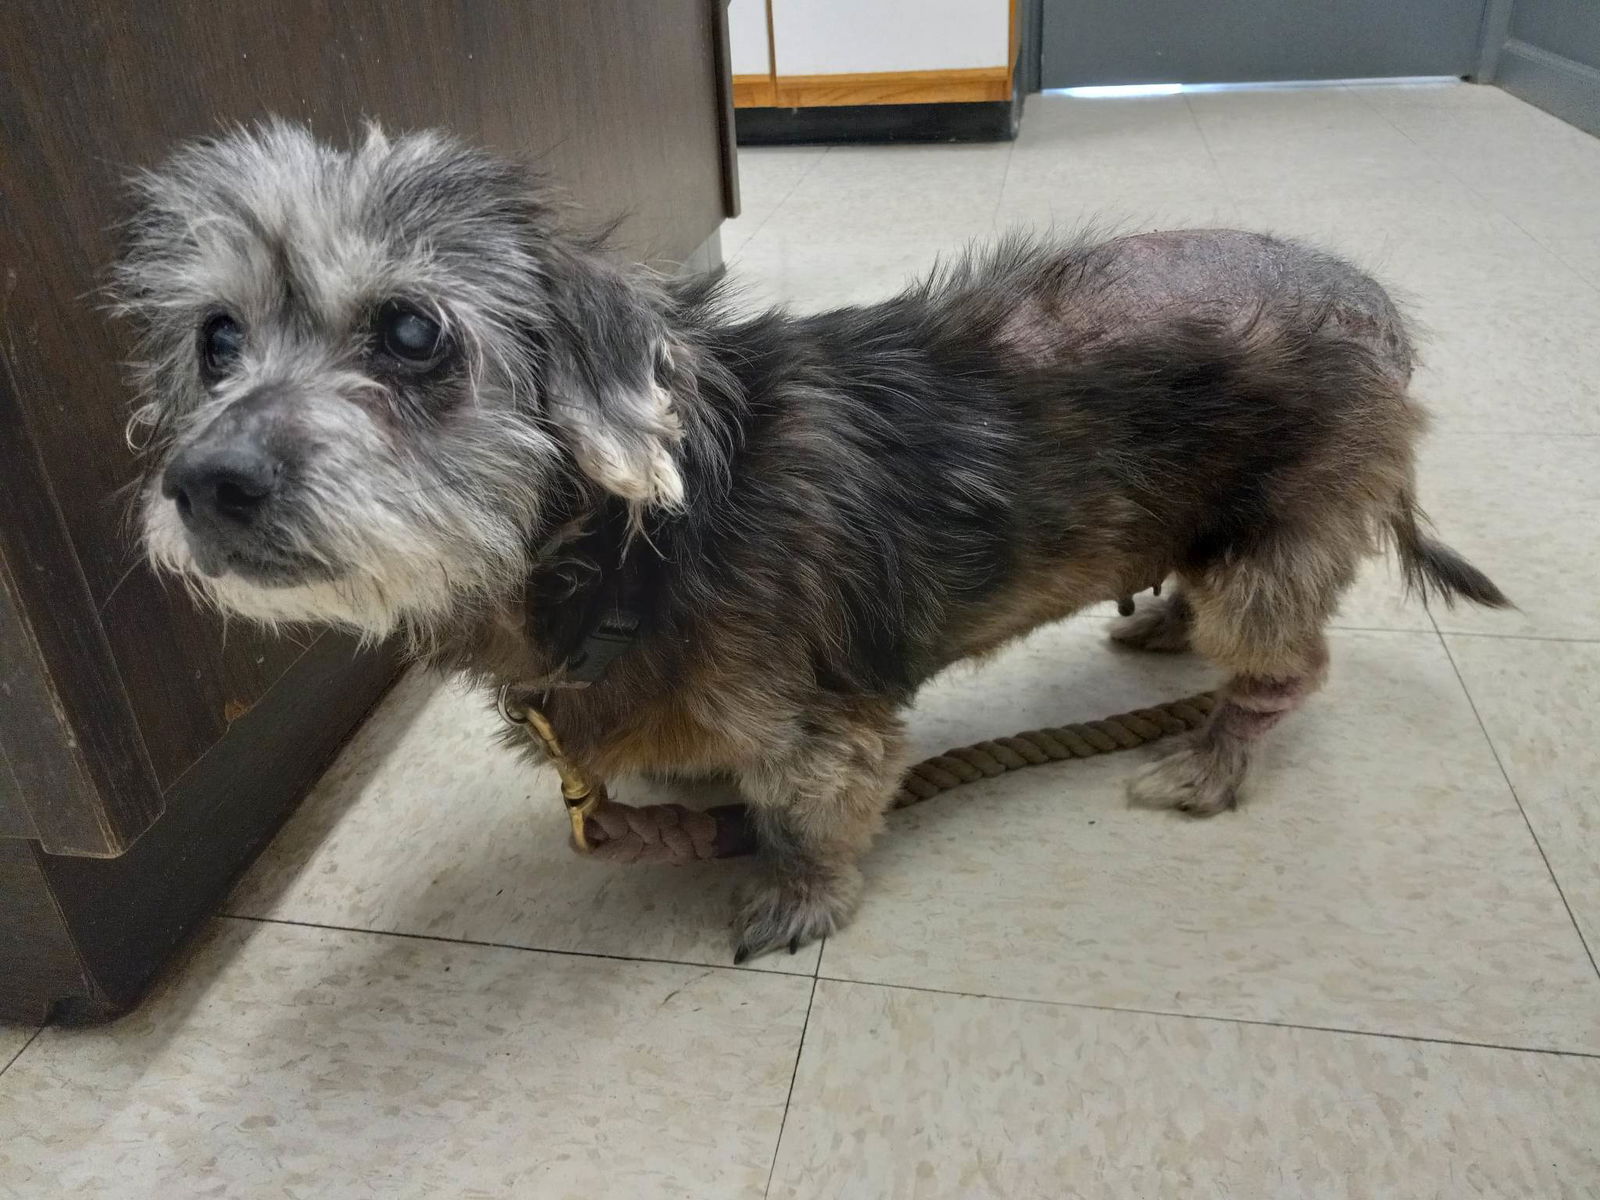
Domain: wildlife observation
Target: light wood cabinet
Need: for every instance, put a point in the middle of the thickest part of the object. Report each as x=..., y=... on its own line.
x=817, y=53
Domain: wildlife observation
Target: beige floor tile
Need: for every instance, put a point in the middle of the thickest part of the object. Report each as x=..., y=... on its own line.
x=811, y=272
x=1330, y=111
x=1425, y=107
x=427, y=824
x=298, y=1062
x=1540, y=702
x=913, y=1096
x=767, y=175
x=1135, y=200
x=1380, y=877
x=863, y=223
x=1064, y=139
x=1553, y=198
x=1356, y=166
x=1463, y=124
x=900, y=190
x=1509, y=352
x=1525, y=509
x=859, y=224
x=1306, y=143
x=1531, y=167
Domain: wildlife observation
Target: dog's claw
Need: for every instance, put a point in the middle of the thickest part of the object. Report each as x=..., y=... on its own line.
x=778, y=912
x=745, y=951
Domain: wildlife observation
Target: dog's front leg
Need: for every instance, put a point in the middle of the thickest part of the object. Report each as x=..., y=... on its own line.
x=816, y=811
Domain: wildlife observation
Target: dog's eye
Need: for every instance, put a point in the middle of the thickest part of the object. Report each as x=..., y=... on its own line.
x=221, y=343
x=409, y=337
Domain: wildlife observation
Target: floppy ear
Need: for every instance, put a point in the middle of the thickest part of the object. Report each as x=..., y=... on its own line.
x=608, y=350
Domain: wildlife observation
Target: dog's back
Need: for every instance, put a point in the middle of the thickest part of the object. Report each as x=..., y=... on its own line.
x=1250, y=375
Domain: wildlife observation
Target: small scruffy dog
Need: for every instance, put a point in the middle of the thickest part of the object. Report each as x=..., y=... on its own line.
x=385, y=390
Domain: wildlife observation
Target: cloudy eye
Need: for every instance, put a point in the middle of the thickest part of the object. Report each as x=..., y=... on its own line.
x=409, y=337
x=221, y=343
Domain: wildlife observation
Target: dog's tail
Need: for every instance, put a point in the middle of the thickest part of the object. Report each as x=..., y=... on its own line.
x=1431, y=567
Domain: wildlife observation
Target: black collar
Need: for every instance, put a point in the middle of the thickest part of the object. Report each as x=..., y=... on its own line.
x=586, y=596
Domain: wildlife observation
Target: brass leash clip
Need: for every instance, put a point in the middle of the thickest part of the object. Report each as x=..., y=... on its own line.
x=577, y=793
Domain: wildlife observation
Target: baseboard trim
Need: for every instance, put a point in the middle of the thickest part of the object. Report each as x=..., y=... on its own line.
x=1562, y=86
x=967, y=85
x=988, y=121
x=754, y=91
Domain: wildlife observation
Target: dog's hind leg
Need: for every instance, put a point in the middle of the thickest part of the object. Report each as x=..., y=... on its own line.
x=1261, y=618
x=1162, y=624
x=816, y=811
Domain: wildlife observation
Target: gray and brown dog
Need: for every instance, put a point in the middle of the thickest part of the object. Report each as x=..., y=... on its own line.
x=384, y=389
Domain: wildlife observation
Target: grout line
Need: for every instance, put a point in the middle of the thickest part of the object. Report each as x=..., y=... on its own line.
x=1506, y=775
x=450, y=941
x=1518, y=637
x=789, y=1098
x=1422, y=629
x=1441, y=429
x=1216, y=167
x=776, y=208
x=32, y=1037
x=1434, y=622
x=1005, y=176
x=1183, y=1016
x=816, y=978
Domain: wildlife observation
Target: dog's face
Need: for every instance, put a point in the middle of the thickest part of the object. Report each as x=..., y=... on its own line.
x=365, y=372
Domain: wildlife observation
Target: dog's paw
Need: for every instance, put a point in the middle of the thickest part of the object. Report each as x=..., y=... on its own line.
x=1162, y=626
x=1192, y=779
x=788, y=911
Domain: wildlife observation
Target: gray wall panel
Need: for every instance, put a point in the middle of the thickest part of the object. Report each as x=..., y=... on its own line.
x=1548, y=53
x=1231, y=41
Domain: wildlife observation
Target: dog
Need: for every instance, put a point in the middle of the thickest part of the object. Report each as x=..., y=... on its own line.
x=386, y=388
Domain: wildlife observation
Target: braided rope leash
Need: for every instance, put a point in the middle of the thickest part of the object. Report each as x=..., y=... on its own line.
x=985, y=760
x=607, y=829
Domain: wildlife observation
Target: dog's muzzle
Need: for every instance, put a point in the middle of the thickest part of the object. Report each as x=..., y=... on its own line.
x=229, y=486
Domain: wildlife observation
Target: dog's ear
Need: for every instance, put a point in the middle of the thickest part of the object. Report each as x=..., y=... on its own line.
x=608, y=353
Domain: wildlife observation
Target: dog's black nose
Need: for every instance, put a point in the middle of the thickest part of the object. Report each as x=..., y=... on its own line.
x=221, y=484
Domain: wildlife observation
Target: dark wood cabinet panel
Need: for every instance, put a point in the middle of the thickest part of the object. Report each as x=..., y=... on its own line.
x=120, y=701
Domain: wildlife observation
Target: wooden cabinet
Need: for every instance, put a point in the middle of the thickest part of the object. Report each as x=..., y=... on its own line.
x=145, y=751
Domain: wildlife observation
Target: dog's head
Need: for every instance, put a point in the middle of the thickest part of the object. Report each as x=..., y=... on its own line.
x=365, y=372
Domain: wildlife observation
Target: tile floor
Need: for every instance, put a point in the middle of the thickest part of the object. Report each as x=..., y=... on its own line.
x=1377, y=980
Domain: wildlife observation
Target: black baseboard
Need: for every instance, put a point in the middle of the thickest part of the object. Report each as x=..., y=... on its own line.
x=978, y=121
x=1569, y=89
